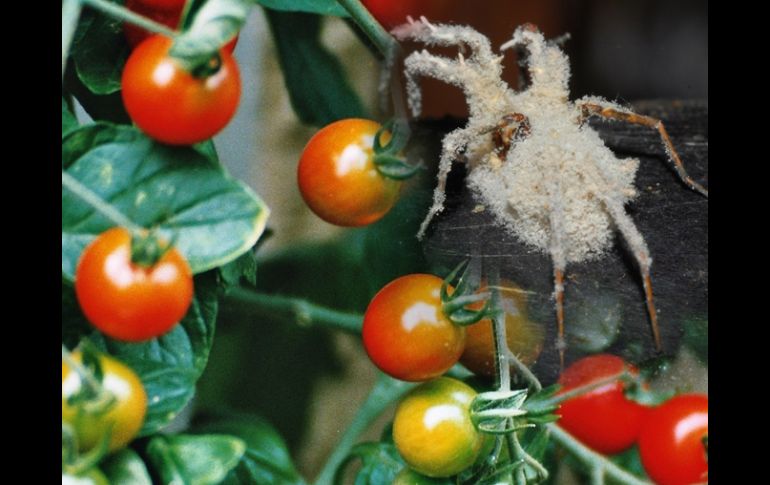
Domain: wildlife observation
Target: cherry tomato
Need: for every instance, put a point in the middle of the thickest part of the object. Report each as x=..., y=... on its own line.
x=604, y=419
x=128, y=301
x=123, y=420
x=391, y=13
x=433, y=430
x=337, y=176
x=671, y=443
x=406, y=333
x=168, y=13
x=525, y=338
x=170, y=104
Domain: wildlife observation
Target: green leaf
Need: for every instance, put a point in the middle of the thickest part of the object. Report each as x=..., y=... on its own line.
x=108, y=107
x=177, y=189
x=321, y=7
x=630, y=461
x=68, y=120
x=99, y=51
x=243, y=268
x=195, y=460
x=696, y=337
x=211, y=26
x=317, y=85
x=381, y=463
x=170, y=365
x=266, y=459
x=125, y=468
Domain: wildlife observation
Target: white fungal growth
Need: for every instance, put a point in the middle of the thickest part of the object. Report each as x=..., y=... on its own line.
x=542, y=171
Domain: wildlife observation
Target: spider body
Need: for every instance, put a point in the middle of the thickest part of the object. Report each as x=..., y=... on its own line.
x=545, y=174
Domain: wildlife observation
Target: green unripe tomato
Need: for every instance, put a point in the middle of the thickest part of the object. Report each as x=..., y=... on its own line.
x=433, y=430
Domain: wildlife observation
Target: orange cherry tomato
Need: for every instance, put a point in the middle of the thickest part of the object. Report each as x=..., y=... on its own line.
x=337, y=176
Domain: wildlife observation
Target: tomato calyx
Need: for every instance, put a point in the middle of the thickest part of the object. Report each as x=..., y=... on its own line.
x=455, y=305
x=208, y=68
x=503, y=412
x=386, y=157
x=147, y=248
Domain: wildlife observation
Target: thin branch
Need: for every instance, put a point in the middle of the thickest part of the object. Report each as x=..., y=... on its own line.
x=121, y=13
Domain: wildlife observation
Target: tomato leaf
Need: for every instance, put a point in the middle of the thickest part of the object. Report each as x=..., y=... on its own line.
x=125, y=468
x=380, y=463
x=68, y=120
x=321, y=7
x=266, y=459
x=318, y=88
x=243, y=268
x=195, y=460
x=99, y=51
x=170, y=365
x=215, y=218
x=209, y=28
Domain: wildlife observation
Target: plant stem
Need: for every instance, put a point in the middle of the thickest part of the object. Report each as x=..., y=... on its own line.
x=97, y=203
x=502, y=353
x=303, y=312
x=591, y=458
x=524, y=371
x=121, y=13
x=584, y=389
x=384, y=42
x=385, y=391
x=85, y=376
x=70, y=13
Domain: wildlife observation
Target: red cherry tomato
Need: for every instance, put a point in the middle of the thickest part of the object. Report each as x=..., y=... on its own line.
x=337, y=176
x=525, y=337
x=604, y=419
x=169, y=103
x=127, y=301
x=168, y=13
x=392, y=13
x=406, y=333
x=671, y=443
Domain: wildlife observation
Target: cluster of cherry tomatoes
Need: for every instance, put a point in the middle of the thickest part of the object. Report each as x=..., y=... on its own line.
x=670, y=436
x=407, y=334
x=166, y=101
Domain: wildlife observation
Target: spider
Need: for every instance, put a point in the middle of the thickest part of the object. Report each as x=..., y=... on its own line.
x=543, y=171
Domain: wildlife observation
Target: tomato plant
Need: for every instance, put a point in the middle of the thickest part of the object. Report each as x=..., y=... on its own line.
x=173, y=105
x=603, y=418
x=121, y=421
x=338, y=178
x=671, y=444
x=129, y=300
x=525, y=338
x=406, y=333
x=433, y=429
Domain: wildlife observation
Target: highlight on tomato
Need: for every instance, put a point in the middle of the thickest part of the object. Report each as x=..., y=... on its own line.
x=433, y=430
x=175, y=106
x=122, y=420
x=525, y=338
x=406, y=332
x=672, y=444
x=603, y=418
x=126, y=297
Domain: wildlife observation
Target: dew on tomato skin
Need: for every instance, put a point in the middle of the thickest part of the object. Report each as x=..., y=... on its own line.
x=420, y=312
x=440, y=414
x=353, y=157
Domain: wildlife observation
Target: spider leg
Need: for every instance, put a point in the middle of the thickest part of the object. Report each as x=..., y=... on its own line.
x=593, y=108
x=638, y=247
x=451, y=147
x=558, y=256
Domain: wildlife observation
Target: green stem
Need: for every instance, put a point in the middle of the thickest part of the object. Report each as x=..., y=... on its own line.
x=384, y=42
x=524, y=371
x=97, y=203
x=85, y=376
x=121, y=13
x=584, y=389
x=502, y=353
x=385, y=391
x=591, y=458
x=70, y=13
x=303, y=312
